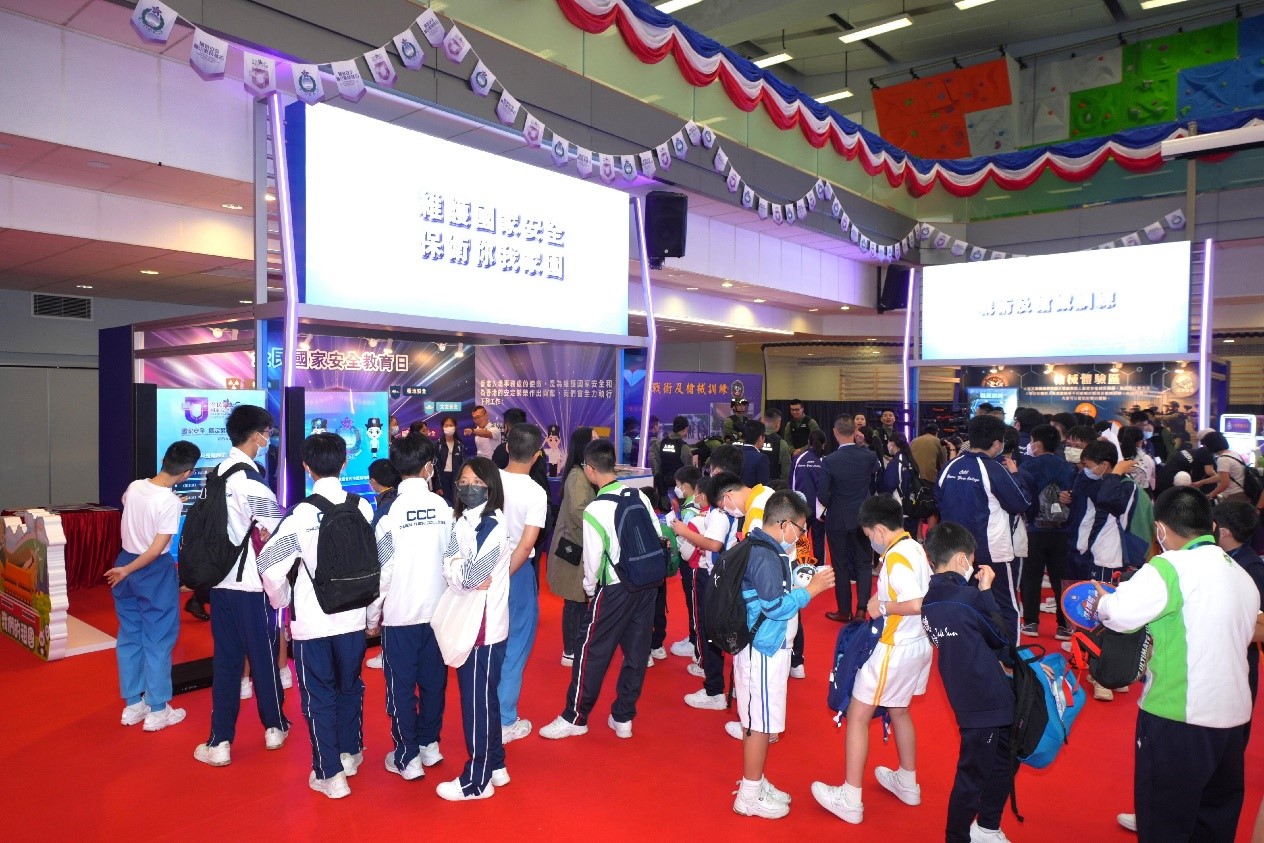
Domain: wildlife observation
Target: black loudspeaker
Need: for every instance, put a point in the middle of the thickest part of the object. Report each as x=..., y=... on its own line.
x=893, y=289
x=666, y=219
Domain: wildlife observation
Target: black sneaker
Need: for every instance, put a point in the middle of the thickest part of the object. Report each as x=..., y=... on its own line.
x=195, y=608
x=1063, y=633
x=1031, y=630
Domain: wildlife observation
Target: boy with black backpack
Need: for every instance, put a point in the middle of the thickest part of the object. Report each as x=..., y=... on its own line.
x=1046, y=475
x=222, y=535
x=624, y=564
x=323, y=559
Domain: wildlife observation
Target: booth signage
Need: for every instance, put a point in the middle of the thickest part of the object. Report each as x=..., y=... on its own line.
x=33, y=600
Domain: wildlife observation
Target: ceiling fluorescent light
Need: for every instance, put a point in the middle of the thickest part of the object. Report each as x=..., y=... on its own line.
x=711, y=323
x=837, y=95
x=876, y=29
x=1146, y=5
x=769, y=61
x=675, y=5
x=969, y=4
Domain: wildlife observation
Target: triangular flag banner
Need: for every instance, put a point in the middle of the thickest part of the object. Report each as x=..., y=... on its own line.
x=801, y=209
x=721, y=160
x=679, y=148
x=829, y=190
x=584, y=162
x=409, y=49
x=1154, y=231
x=777, y=214
x=897, y=251
x=762, y=209
x=812, y=201
x=977, y=253
x=258, y=75
x=997, y=256
x=606, y=168
x=1132, y=240
x=664, y=156
x=733, y=181
x=154, y=21
x=348, y=79
x=208, y=55
x=865, y=243
x=925, y=231
x=1107, y=246
x=507, y=108
x=836, y=209
x=428, y=23
x=647, y=164
x=694, y=132
x=455, y=47
x=533, y=131
x=307, y=83
x=380, y=66
x=558, y=150
x=855, y=235
x=627, y=166
x=481, y=80
x=819, y=189
x=959, y=247
x=844, y=222
x=941, y=240
x=1175, y=220
x=748, y=197
x=708, y=137
x=791, y=216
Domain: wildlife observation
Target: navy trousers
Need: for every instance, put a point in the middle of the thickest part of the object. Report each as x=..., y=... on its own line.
x=478, y=679
x=851, y=559
x=712, y=658
x=686, y=585
x=243, y=624
x=412, y=663
x=659, y=635
x=1189, y=781
x=1003, y=592
x=573, y=614
x=617, y=619
x=982, y=784
x=332, y=695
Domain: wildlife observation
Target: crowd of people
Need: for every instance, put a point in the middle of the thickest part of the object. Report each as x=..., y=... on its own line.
x=946, y=545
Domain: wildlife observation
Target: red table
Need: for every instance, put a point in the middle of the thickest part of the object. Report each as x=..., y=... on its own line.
x=92, y=542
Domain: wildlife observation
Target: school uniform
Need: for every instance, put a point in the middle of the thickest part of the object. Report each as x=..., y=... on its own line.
x=717, y=525
x=147, y=601
x=688, y=566
x=243, y=625
x=899, y=667
x=1200, y=607
x=411, y=541
x=617, y=618
x=328, y=649
x=526, y=505
x=478, y=550
x=964, y=625
x=1093, y=525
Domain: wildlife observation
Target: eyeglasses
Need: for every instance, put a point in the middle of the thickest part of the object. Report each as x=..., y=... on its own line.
x=802, y=528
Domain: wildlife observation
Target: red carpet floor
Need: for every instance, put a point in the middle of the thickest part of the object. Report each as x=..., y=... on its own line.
x=72, y=772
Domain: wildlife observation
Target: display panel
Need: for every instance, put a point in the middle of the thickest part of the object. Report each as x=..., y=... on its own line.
x=1006, y=399
x=396, y=220
x=1093, y=305
x=360, y=418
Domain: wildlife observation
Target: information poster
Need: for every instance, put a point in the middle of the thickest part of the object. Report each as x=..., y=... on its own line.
x=33, y=601
x=705, y=398
x=1103, y=390
x=360, y=418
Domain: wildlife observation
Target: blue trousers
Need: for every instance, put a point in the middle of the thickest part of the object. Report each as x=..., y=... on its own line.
x=243, y=624
x=148, y=607
x=411, y=661
x=332, y=695
x=524, y=617
x=480, y=714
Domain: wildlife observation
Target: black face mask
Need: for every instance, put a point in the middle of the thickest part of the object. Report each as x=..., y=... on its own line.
x=472, y=496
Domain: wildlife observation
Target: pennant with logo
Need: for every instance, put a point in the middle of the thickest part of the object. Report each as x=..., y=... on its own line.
x=721, y=160
x=558, y=150
x=836, y=209
x=791, y=216
x=897, y=251
x=481, y=80
x=409, y=49
x=455, y=46
x=777, y=214
x=606, y=168
x=208, y=55
x=1175, y=220
x=819, y=188
x=647, y=164
x=844, y=221
x=977, y=253
x=380, y=67
x=507, y=108
x=812, y=201
x=350, y=82
x=762, y=209
x=866, y=243
x=153, y=22
x=708, y=137
x=958, y=248
x=855, y=235
x=925, y=231
x=664, y=156
x=678, y=146
x=430, y=26
x=733, y=181
x=584, y=162
x=694, y=132
x=533, y=131
x=627, y=167
x=258, y=74
x=801, y=209
x=1154, y=232
x=829, y=190
x=1132, y=240
x=941, y=240
x=307, y=83
x=748, y=197
x=997, y=256
x=1110, y=245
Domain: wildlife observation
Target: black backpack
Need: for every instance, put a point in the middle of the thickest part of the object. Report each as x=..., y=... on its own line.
x=347, y=568
x=920, y=502
x=1250, y=485
x=725, y=609
x=643, y=552
x=1052, y=511
x=1113, y=659
x=206, y=553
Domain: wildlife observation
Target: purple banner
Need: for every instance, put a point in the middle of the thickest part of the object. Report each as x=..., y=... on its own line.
x=1102, y=390
x=705, y=398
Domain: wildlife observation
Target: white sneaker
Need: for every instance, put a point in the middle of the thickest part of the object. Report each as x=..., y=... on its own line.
x=500, y=777
x=890, y=779
x=351, y=763
x=452, y=791
x=831, y=799
x=134, y=713
x=683, y=648
x=798, y=672
x=649, y=661
x=216, y=756
x=515, y=731
x=701, y=699
x=287, y=677
x=1128, y=821
x=1049, y=606
x=247, y=688
x=430, y=754
x=761, y=806
x=374, y=663
x=335, y=787
x=735, y=730
x=275, y=738
x=766, y=787
x=658, y=653
x=1122, y=690
x=1044, y=582
x=1066, y=646
x=622, y=730
x=567, y=661
x=979, y=834
x=695, y=669
x=562, y=728
x=156, y=721
x=412, y=770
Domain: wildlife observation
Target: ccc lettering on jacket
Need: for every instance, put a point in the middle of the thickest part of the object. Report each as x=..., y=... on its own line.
x=416, y=515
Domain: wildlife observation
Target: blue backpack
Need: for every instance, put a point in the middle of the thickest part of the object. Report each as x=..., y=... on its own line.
x=643, y=552
x=1063, y=697
x=853, y=647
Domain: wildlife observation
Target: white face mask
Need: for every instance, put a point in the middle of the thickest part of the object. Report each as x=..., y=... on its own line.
x=1072, y=454
x=680, y=493
x=1162, y=539
x=449, y=431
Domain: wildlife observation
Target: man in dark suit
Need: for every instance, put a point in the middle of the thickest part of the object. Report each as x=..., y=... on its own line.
x=847, y=480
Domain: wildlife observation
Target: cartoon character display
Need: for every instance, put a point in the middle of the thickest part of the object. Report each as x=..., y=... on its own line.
x=373, y=429
x=319, y=426
x=553, y=450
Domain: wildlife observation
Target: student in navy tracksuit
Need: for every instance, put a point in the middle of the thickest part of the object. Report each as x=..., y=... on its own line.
x=1098, y=497
x=982, y=494
x=963, y=624
x=1047, y=548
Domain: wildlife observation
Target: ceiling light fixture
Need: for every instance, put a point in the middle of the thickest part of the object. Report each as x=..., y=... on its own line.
x=712, y=323
x=969, y=4
x=877, y=29
x=244, y=301
x=98, y=165
x=149, y=272
x=670, y=330
x=270, y=196
x=231, y=206
x=845, y=307
x=813, y=309
x=728, y=336
x=691, y=289
x=769, y=61
x=442, y=346
x=89, y=287
x=1228, y=339
x=759, y=301
x=837, y=95
x=676, y=5
x=460, y=351
x=1147, y=5
x=727, y=284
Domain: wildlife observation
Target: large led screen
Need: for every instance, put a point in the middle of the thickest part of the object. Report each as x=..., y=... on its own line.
x=1100, y=304
x=395, y=220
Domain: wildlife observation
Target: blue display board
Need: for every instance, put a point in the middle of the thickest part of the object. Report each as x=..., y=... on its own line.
x=360, y=418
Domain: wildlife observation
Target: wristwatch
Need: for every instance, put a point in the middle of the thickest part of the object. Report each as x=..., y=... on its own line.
x=882, y=608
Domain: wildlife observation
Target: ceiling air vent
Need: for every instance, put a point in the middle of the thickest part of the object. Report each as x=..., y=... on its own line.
x=61, y=307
